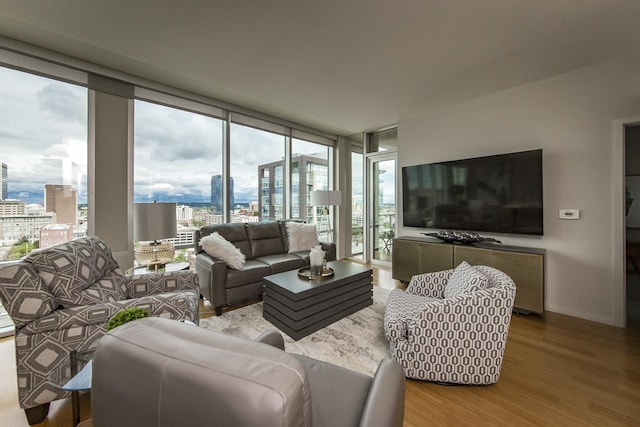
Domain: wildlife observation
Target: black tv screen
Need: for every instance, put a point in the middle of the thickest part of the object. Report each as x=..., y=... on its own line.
x=501, y=194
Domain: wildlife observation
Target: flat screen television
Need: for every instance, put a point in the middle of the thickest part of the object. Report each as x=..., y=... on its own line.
x=500, y=194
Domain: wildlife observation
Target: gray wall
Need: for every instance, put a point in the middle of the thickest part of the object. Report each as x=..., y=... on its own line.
x=572, y=117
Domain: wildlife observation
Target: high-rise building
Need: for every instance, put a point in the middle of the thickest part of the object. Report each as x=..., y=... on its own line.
x=184, y=214
x=308, y=173
x=12, y=207
x=217, y=195
x=16, y=227
x=4, y=189
x=61, y=200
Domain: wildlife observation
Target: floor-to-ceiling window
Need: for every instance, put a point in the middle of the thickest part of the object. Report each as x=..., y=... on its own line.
x=43, y=135
x=357, y=196
x=381, y=156
x=43, y=193
x=310, y=172
x=227, y=177
x=257, y=170
x=383, y=205
x=178, y=159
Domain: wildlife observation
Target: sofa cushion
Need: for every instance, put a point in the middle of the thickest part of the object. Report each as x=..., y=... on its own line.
x=163, y=371
x=24, y=295
x=282, y=262
x=302, y=237
x=217, y=246
x=465, y=279
x=265, y=239
x=71, y=268
x=252, y=271
x=235, y=233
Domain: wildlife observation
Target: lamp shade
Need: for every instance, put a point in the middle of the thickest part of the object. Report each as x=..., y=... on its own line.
x=325, y=198
x=154, y=221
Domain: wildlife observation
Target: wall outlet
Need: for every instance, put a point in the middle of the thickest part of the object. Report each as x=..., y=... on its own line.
x=569, y=214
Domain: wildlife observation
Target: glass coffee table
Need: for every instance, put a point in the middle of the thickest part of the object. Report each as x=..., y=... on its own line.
x=74, y=376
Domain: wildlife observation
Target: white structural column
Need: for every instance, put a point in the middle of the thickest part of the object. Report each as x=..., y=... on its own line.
x=110, y=181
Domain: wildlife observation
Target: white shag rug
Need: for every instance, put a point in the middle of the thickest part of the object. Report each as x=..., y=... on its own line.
x=356, y=342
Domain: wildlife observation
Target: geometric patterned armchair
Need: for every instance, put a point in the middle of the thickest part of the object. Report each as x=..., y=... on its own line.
x=61, y=298
x=451, y=326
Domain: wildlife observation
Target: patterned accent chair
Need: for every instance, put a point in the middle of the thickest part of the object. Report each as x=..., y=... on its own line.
x=451, y=326
x=61, y=298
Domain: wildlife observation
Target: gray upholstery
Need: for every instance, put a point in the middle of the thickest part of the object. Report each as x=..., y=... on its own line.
x=61, y=299
x=460, y=339
x=265, y=247
x=161, y=372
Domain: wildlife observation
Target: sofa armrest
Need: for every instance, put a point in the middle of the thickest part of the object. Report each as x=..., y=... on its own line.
x=151, y=284
x=273, y=338
x=385, y=403
x=429, y=284
x=401, y=311
x=212, y=276
x=329, y=250
x=177, y=305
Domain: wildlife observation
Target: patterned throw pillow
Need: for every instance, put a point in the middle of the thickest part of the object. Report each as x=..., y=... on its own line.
x=302, y=237
x=465, y=279
x=219, y=247
x=24, y=295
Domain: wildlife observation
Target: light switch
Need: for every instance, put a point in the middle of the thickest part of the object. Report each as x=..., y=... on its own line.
x=569, y=214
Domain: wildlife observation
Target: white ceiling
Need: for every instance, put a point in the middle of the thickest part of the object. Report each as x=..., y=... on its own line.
x=340, y=65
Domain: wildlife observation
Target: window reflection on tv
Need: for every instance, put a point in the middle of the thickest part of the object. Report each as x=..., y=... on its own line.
x=501, y=194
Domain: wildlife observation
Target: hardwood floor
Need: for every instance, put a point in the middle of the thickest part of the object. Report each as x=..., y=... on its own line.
x=557, y=371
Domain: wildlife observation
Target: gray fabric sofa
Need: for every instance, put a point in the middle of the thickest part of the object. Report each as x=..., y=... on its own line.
x=160, y=372
x=265, y=246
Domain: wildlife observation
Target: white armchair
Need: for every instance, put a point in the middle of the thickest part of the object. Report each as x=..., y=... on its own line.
x=451, y=326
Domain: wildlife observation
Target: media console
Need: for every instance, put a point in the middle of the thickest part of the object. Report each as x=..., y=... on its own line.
x=416, y=255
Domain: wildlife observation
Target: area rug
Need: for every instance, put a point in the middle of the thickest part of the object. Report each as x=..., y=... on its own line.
x=356, y=342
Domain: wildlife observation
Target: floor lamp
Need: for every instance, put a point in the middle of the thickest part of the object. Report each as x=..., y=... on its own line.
x=326, y=198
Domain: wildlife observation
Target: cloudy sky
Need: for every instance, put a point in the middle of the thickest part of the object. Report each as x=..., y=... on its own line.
x=43, y=134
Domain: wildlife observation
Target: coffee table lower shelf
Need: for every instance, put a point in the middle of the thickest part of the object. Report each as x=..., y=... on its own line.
x=299, y=307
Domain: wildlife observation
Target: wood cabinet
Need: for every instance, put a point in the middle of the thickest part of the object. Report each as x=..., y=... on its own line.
x=414, y=255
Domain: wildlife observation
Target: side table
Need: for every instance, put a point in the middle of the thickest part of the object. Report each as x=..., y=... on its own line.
x=169, y=267
x=75, y=377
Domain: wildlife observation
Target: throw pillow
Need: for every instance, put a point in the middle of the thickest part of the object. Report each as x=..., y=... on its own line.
x=217, y=246
x=302, y=237
x=465, y=279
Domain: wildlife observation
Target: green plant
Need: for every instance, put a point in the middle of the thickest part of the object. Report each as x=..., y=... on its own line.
x=126, y=315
